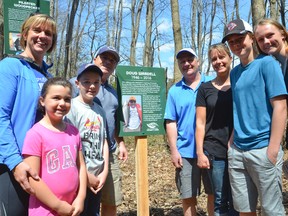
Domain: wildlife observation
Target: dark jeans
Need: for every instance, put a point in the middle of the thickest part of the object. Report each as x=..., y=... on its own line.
x=13, y=199
x=218, y=174
x=92, y=204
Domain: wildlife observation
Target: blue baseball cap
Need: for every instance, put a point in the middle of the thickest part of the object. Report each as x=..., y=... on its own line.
x=88, y=67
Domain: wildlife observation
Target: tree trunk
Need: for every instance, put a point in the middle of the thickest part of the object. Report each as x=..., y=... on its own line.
x=107, y=22
x=282, y=12
x=69, y=34
x=148, y=49
x=224, y=8
x=78, y=32
x=50, y=57
x=258, y=10
x=193, y=25
x=273, y=9
x=213, y=13
x=119, y=25
x=199, y=33
x=135, y=18
x=236, y=3
x=177, y=36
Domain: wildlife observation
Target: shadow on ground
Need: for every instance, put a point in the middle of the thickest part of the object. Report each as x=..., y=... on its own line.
x=177, y=211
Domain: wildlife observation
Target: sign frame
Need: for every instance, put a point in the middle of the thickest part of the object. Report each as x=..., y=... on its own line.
x=148, y=86
x=15, y=12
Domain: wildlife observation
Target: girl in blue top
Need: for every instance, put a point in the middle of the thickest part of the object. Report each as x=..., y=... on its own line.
x=20, y=85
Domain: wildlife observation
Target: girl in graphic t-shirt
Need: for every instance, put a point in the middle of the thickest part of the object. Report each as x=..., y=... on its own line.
x=53, y=148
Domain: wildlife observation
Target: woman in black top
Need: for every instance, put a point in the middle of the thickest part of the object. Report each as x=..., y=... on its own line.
x=214, y=125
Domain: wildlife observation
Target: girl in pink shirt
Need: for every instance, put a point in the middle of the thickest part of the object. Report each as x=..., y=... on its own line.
x=53, y=148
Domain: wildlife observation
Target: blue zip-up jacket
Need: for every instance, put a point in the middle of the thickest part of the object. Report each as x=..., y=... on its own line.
x=19, y=94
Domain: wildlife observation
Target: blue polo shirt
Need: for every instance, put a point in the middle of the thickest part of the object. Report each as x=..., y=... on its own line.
x=180, y=107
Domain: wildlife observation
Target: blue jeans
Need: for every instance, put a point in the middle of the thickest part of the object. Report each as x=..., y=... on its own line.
x=218, y=174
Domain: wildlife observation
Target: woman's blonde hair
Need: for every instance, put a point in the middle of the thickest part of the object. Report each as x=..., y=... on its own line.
x=220, y=47
x=279, y=26
x=38, y=20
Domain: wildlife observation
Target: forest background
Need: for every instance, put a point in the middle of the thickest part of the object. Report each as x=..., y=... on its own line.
x=145, y=32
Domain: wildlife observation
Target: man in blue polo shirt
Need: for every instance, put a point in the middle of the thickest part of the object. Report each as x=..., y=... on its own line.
x=180, y=125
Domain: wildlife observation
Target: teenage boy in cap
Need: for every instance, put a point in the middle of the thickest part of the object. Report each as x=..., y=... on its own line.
x=107, y=59
x=90, y=120
x=255, y=156
x=180, y=118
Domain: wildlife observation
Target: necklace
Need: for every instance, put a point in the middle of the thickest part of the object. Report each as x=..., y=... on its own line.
x=219, y=82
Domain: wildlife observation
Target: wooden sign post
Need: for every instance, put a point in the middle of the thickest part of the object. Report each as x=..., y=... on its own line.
x=141, y=159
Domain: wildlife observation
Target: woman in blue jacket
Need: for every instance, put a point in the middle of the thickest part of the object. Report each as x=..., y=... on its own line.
x=21, y=80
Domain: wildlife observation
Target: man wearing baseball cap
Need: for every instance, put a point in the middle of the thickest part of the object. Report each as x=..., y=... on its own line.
x=180, y=120
x=106, y=59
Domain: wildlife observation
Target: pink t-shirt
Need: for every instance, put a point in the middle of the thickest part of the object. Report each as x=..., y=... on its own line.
x=58, y=153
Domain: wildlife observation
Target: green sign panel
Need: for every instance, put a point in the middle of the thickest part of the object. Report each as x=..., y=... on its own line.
x=15, y=12
x=142, y=94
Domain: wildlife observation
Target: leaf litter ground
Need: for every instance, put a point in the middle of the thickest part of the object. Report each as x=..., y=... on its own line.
x=163, y=195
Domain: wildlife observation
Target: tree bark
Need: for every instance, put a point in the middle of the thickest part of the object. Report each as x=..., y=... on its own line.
x=69, y=35
x=200, y=32
x=258, y=10
x=177, y=36
x=273, y=9
x=135, y=17
x=282, y=11
x=213, y=13
x=119, y=25
x=148, y=49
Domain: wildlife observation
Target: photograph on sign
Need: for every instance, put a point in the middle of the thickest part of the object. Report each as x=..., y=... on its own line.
x=142, y=95
x=14, y=41
x=132, y=113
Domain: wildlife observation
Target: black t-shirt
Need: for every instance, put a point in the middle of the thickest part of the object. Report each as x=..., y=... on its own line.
x=219, y=118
